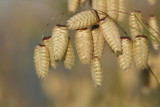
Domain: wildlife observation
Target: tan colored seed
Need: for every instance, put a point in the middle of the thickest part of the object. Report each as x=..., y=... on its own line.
x=59, y=41
x=125, y=58
x=41, y=61
x=141, y=51
x=84, y=45
x=152, y=2
x=136, y=28
x=47, y=41
x=96, y=70
x=111, y=34
x=154, y=29
x=112, y=8
x=83, y=19
x=73, y=5
x=69, y=57
x=98, y=41
x=122, y=10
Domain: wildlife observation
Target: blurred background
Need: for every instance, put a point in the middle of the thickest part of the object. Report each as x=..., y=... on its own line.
x=22, y=23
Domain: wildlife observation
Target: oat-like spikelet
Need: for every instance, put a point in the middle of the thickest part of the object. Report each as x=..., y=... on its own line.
x=47, y=41
x=125, y=58
x=83, y=19
x=82, y=2
x=154, y=29
x=84, y=45
x=98, y=41
x=112, y=8
x=41, y=61
x=96, y=70
x=121, y=10
x=111, y=34
x=152, y=2
x=59, y=41
x=73, y=5
x=136, y=28
x=69, y=57
x=141, y=51
x=100, y=6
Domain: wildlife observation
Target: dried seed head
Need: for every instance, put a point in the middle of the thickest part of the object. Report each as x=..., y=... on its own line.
x=69, y=57
x=111, y=34
x=47, y=41
x=41, y=61
x=73, y=5
x=154, y=29
x=152, y=2
x=136, y=28
x=112, y=8
x=59, y=41
x=84, y=45
x=125, y=58
x=96, y=70
x=83, y=19
x=98, y=41
x=141, y=51
x=82, y=2
x=122, y=10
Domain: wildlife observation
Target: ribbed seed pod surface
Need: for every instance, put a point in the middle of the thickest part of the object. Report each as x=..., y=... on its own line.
x=41, y=61
x=121, y=10
x=98, y=41
x=84, y=45
x=111, y=34
x=136, y=28
x=96, y=70
x=69, y=57
x=83, y=19
x=47, y=41
x=152, y=2
x=154, y=29
x=112, y=8
x=59, y=41
x=125, y=58
x=73, y=5
x=141, y=51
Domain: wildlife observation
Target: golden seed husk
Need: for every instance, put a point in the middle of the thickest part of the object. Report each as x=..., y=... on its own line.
x=96, y=70
x=69, y=58
x=141, y=51
x=73, y=5
x=83, y=19
x=59, y=41
x=154, y=29
x=98, y=41
x=121, y=10
x=111, y=34
x=41, y=61
x=125, y=58
x=112, y=8
x=84, y=45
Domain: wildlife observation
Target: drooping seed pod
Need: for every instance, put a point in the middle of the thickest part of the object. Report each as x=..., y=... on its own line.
x=84, y=45
x=125, y=58
x=100, y=6
x=73, y=5
x=59, y=41
x=82, y=2
x=69, y=57
x=112, y=8
x=41, y=61
x=154, y=29
x=121, y=10
x=141, y=51
x=136, y=28
x=152, y=2
x=111, y=34
x=96, y=70
x=98, y=41
x=83, y=19
x=47, y=41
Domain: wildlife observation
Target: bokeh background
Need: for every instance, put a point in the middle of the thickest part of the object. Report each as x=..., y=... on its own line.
x=22, y=23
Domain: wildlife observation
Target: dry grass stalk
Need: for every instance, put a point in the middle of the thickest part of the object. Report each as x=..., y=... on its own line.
x=83, y=19
x=84, y=45
x=59, y=41
x=111, y=34
x=73, y=5
x=41, y=61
